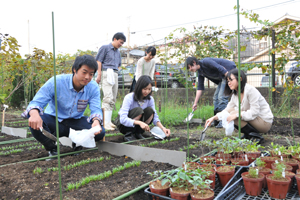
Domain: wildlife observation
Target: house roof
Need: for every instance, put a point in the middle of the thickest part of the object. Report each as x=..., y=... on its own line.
x=286, y=17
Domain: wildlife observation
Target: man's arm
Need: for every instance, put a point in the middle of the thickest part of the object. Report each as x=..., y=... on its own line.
x=198, y=95
x=98, y=79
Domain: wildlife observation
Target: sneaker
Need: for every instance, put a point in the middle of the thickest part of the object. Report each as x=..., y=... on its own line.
x=52, y=153
x=219, y=125
x=139, y=136
x=129, y=137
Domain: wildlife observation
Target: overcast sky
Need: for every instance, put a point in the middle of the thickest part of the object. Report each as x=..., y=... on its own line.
x=88, y=24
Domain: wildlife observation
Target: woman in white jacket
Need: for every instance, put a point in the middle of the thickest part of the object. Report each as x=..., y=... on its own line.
x=256, y=115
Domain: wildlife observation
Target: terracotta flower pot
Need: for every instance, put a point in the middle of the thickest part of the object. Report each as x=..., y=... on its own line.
x=292, y=162
x=296, y=156
x=287, y=167
x=291, y=175
x=157, y=188
x=191, y=165
x=207, y=159
x=269, y=161
x=208, y=167
x=179, y=193
x=264, y=171
x=253, y=186
x=255, y=154
x=297, y=176
x=223, y=155
x=212, y=177
x=208, y=195
x=278, y=188
x=222, y=161
x=240, y=162
x=225, y=173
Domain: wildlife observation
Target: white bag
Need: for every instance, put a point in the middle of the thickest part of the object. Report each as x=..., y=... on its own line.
x=110, y=76
x=85, y=137
x=229, y=127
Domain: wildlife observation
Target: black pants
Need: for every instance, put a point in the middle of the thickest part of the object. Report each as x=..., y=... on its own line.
x=132, y=84
x=146, y=114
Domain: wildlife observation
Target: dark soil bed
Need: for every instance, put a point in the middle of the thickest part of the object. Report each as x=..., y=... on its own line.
x=18, y=181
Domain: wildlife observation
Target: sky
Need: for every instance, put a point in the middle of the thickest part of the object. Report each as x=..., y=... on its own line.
x=89, y=24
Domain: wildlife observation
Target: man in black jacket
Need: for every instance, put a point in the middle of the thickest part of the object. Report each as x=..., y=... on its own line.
x=214, y=69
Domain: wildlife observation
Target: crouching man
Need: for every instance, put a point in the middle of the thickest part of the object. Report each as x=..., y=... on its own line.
x=74, y=92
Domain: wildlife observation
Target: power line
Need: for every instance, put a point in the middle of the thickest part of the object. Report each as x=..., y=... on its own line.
x=215, y=17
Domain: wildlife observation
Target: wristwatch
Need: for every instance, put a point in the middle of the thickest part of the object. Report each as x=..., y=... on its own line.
x=99, y=120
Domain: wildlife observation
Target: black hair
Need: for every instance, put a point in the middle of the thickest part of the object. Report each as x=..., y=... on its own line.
x=190, y=62
x=88, y=60
x=151, y=50
x=119, y=36
x=234, y=72
x=143, y=82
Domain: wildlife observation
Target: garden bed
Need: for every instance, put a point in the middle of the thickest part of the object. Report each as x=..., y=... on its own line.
x=19, y=182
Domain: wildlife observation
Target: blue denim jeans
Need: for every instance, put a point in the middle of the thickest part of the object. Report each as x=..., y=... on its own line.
x=219, y=99
x=49, y=124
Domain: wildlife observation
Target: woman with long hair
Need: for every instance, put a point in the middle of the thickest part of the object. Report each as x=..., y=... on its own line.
x=138, y=111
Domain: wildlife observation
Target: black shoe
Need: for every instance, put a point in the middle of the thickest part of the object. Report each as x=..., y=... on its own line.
x=219, y=125
x=256, y=137
x=139, y=136
x=75, y=148
x=49, y=145
x=248, y=129
x=52, y=153
x=129, y=137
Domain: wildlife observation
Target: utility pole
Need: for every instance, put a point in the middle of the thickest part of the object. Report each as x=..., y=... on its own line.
x=28, y=39
x=128, y=41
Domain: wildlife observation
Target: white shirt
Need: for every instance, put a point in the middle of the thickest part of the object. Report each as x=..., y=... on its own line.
x=145, y=68
x=253, y=105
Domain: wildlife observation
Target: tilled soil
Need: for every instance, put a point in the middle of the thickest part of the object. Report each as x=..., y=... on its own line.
x=18, y=181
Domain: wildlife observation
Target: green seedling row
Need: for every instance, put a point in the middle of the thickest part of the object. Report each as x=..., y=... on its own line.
x=87, y=180
x=5, y=153
x=80, y=163
x=113, y=134
x=157, y=142
x=19, y=146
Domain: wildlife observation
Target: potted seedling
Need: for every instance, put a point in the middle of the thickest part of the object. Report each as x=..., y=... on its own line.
x=156, y=185
x=180, y=187
x=281, y=164
x=201, y=190
x=292, y=162
x=262, y=169
x=190, y=165
x=253, y=181
x=278, y=183
x=225, y=173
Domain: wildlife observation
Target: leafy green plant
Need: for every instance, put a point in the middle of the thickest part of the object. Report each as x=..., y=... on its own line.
x=253, y=173
x=38, y=170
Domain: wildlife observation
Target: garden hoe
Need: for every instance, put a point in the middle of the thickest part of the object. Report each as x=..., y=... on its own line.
x=190, y=116
x=47, y=134
x=202, y=136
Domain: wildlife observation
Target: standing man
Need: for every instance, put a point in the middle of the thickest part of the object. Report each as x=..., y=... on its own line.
x=109, y=61
x=214, y=69
x=74, y=92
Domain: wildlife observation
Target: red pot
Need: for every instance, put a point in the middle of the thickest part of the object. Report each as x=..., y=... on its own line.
x=278, y=189
x=292, y=162
x=213, y=166
x=254, y=154
x=191, y=165
x=223, y=155
x=269, y=161
x=297, y=157
x=253, y=186
x=179, y=196
x=195, y=197
x=163, y=192
x=207, y=159
x=288, y=167
x=297, y=176
x=240, y=162
x=212, y=177
x=225, y=176
x=265, y=171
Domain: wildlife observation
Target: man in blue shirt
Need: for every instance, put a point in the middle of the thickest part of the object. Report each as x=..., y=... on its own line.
x=109, y=61
x=74, y=92
x=214, y=69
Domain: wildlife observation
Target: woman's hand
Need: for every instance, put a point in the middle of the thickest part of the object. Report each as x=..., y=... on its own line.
x=231, y=117
x=144, y=126
x=210, y=120
x=166, y=131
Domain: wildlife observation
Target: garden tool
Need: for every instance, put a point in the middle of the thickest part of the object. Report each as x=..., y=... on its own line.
x=202, y=136
x=190, y=116
x=3, y=116
x=47, y=134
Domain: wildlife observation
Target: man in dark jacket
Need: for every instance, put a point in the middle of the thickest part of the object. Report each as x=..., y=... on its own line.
x=214, y=69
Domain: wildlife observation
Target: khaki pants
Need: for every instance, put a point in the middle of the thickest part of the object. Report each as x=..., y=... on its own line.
x=258, y=123
x=109, y=91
